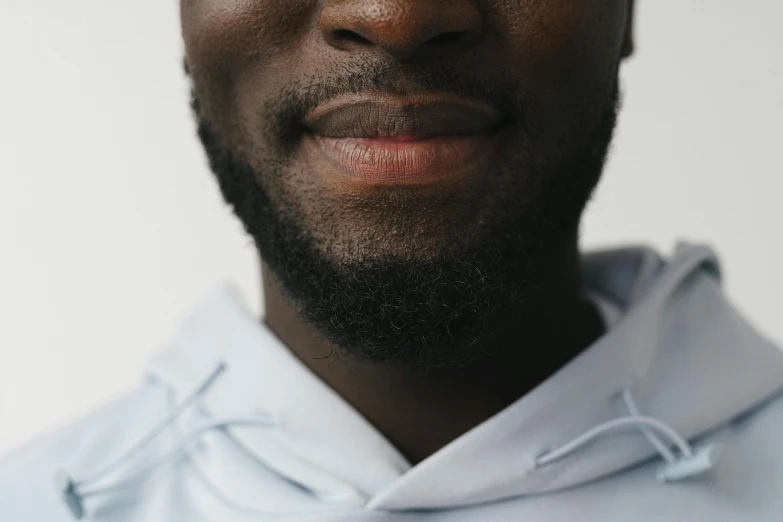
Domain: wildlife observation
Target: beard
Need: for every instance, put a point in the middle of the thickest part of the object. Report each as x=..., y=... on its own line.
x=444, y=308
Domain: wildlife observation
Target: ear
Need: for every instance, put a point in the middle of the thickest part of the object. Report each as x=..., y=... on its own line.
x=628, y=42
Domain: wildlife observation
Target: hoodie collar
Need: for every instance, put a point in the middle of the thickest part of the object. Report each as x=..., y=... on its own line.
x=679, y=346
x=320, y=442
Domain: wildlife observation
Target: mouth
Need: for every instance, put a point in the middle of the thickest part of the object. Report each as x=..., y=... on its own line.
x=411, y=140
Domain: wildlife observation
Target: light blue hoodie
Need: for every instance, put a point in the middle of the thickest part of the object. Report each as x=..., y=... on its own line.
x=675, y=414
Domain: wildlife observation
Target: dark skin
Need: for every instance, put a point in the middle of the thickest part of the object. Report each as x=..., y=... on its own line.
x=566, y=52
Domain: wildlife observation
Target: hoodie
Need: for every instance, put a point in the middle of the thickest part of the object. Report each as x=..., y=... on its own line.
x=676, y=413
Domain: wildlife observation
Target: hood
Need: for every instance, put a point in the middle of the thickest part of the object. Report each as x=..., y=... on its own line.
x=690, y=360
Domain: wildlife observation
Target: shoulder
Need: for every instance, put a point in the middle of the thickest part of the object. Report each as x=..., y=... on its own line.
x=762, y=426
x=753, y=456
x=28, y=491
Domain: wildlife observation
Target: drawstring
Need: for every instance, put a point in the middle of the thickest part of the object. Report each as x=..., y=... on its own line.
x=689, y=463
x=662, y=449
x=73, y=490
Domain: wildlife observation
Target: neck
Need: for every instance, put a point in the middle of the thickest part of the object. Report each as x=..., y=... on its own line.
x=421, y=410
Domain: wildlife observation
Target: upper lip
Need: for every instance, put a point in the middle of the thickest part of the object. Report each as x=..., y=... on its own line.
x=379, y=116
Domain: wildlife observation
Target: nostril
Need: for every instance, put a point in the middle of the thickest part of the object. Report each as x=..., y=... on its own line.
x=445, y=38
x=345, y=35
x=434, y=27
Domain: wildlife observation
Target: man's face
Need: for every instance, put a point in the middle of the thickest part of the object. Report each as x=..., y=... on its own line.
x=407, y=168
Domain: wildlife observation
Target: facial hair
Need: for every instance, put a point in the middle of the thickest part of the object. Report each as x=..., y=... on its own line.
x=438, y=310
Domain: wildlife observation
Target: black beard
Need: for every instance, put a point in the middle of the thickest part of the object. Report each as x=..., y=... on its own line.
x=436, y=312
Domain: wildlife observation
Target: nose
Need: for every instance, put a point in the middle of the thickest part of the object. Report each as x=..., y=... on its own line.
x=402, y=29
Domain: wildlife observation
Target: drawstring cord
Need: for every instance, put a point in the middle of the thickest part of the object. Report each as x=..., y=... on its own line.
x=660, y=447
x=73, y=490
x=610, y=426
x=690, y=462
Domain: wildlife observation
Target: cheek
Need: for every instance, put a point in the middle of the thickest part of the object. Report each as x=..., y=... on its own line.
x=241, y=30
x=568, y=52
x=227, y=40
x=224, y=38
x=563, y=35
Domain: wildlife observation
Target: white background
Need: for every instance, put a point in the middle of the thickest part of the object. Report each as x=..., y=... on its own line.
x=111, y=227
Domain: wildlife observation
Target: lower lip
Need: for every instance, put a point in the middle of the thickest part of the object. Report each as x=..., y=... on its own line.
x=402, y=160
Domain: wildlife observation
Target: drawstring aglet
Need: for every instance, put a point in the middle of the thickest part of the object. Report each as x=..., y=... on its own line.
x=67, y=487
x=702, y=461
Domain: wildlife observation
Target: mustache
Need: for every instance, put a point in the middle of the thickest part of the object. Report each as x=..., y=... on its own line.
x=283, y=115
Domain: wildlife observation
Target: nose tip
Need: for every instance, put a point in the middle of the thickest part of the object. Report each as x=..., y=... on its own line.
x=402, y=28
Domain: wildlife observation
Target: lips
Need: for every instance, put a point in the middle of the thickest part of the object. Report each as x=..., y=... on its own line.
x=382, y=140
x=407, y=117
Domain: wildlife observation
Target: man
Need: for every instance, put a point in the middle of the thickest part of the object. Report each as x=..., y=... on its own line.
x=435, y=347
